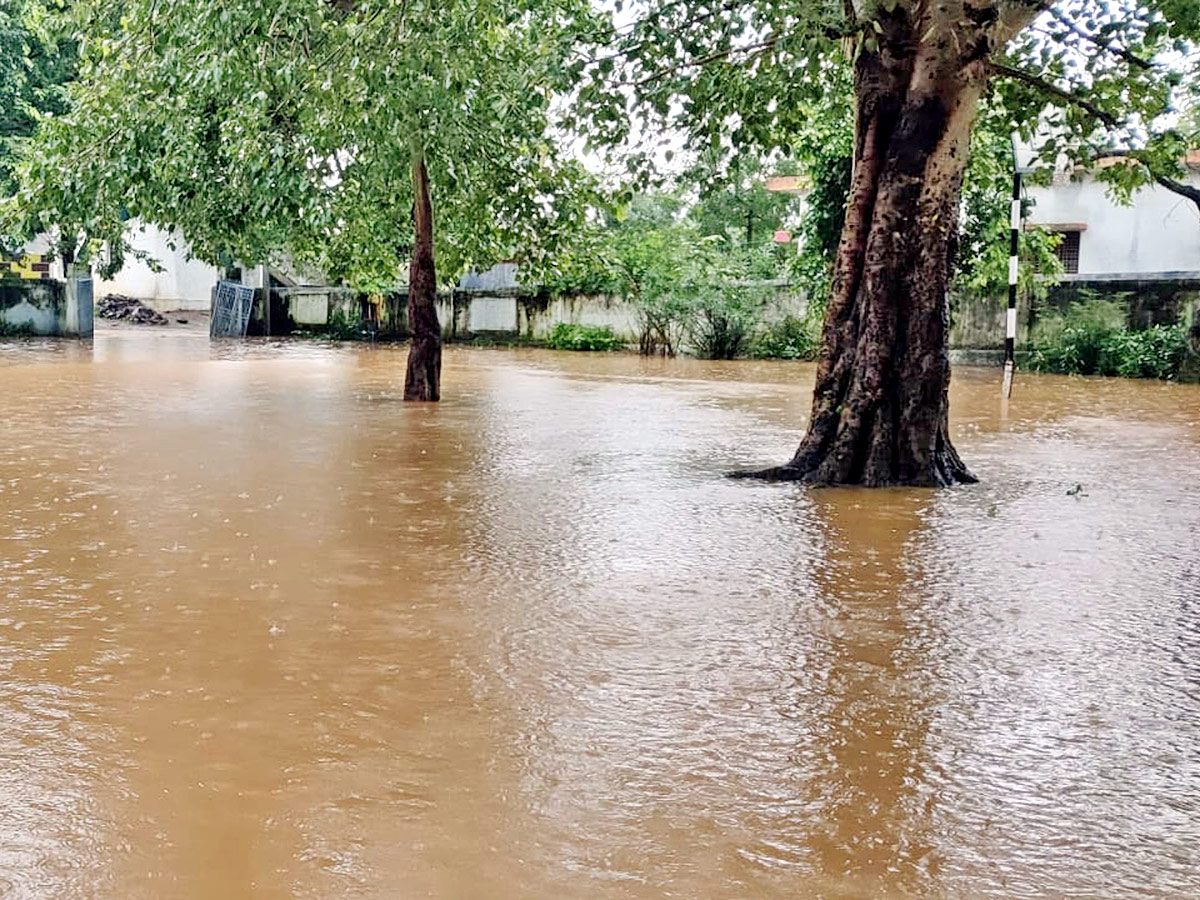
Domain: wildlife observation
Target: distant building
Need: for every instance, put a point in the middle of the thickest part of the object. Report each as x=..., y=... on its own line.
x=1154, y=238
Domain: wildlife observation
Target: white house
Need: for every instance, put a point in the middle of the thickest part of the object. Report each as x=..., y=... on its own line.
x=1154, y=238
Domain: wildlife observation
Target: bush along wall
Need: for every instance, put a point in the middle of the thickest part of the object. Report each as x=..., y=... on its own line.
x=571, y=336
x=1091, y=338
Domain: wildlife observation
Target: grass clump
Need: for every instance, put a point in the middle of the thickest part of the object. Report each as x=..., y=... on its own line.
x=571, y=336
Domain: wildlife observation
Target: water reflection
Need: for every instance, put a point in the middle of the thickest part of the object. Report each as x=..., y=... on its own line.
x=870, y=809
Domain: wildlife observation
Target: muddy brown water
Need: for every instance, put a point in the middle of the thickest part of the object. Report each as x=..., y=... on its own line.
x=267, y=632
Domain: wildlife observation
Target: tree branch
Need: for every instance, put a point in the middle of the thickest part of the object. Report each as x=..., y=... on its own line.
x=1183, y=190
x=1107, y=118
x=702, y=61
x=1131, y=58
x=1176, y=187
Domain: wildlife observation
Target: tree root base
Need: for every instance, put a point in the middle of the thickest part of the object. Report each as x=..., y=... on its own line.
x=949, y=474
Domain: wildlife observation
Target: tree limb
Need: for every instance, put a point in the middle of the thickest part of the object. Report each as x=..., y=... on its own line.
x=1045, y=86
x=703, y=61
x=1183, y=190
x=1131, y=58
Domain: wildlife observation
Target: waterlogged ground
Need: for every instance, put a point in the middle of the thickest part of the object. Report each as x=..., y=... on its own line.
x=267, y=632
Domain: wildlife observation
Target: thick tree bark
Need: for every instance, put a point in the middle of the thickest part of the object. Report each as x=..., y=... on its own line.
x=423, y=379
x=880, y=408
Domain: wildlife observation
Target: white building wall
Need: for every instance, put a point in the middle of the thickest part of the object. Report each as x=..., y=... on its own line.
x=184, y=283
x=1158, y=233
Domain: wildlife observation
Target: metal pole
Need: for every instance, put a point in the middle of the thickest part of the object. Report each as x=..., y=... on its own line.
x=1010, y=334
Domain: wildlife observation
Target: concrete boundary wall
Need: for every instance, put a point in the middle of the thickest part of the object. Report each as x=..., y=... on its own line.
x=977, y=323
x=499, y=313
x=47, y=307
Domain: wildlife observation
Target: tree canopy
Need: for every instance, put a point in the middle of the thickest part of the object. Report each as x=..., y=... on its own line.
x=255, y=126
x=1075, y=77
x=35, y=67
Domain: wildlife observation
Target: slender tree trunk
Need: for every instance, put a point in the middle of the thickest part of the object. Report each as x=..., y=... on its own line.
x=880, y=410
x=423, y=379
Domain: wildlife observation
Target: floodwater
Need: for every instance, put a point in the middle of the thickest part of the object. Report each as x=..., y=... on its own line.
x=268, y=632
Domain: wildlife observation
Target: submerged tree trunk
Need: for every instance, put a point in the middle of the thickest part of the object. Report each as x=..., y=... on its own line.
x=423, y=379
x=879, y=414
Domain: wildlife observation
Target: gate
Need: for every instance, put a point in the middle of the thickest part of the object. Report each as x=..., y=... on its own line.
x=232, y=303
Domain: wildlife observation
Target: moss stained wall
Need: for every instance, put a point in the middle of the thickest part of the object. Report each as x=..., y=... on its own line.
x=36, y=306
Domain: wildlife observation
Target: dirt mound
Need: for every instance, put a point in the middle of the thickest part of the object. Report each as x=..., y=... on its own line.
x=127, y=309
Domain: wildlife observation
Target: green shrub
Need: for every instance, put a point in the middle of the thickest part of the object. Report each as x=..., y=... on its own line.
x=7, y=329
x=724, y=319
x=1156, y=352
x=717, y=333
x=1090, y=339
x=789, y=338
x=570, y=336
x=1069, y=343
x=662, y=322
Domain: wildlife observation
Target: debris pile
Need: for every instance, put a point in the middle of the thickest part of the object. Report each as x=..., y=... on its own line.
x=127, y=309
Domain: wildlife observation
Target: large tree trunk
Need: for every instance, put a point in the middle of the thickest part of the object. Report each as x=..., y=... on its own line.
x=423, y=380
x=879, y=414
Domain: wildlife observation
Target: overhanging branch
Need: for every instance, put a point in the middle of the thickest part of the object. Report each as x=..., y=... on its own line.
x=1132, y=58
x=1053, y=90
x=754, y=50
x=1178, y=187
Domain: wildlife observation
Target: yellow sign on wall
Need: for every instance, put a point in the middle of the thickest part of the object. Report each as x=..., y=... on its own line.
x=33, y=267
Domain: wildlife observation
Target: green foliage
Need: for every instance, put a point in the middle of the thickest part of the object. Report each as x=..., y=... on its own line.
x=35, y=66
x=734, y=202
x=343, y=327
x=1091, y=339
x=688, y=285
x=721, y=322
x=36, y=63
x=823, y=143
x=810, y=272
x=1071, y=342
x=1078, y=75
x=1156, y=352
x=790, y=338
x=267, y=127
x=981, y=261
x=826, y=212
x=570, y=336
x=1120, y=71
x=7, y=329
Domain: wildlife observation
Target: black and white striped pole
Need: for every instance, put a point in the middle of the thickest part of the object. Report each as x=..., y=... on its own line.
x=1010, y=333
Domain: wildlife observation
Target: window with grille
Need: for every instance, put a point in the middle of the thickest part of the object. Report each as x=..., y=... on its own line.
x=1068, y=252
